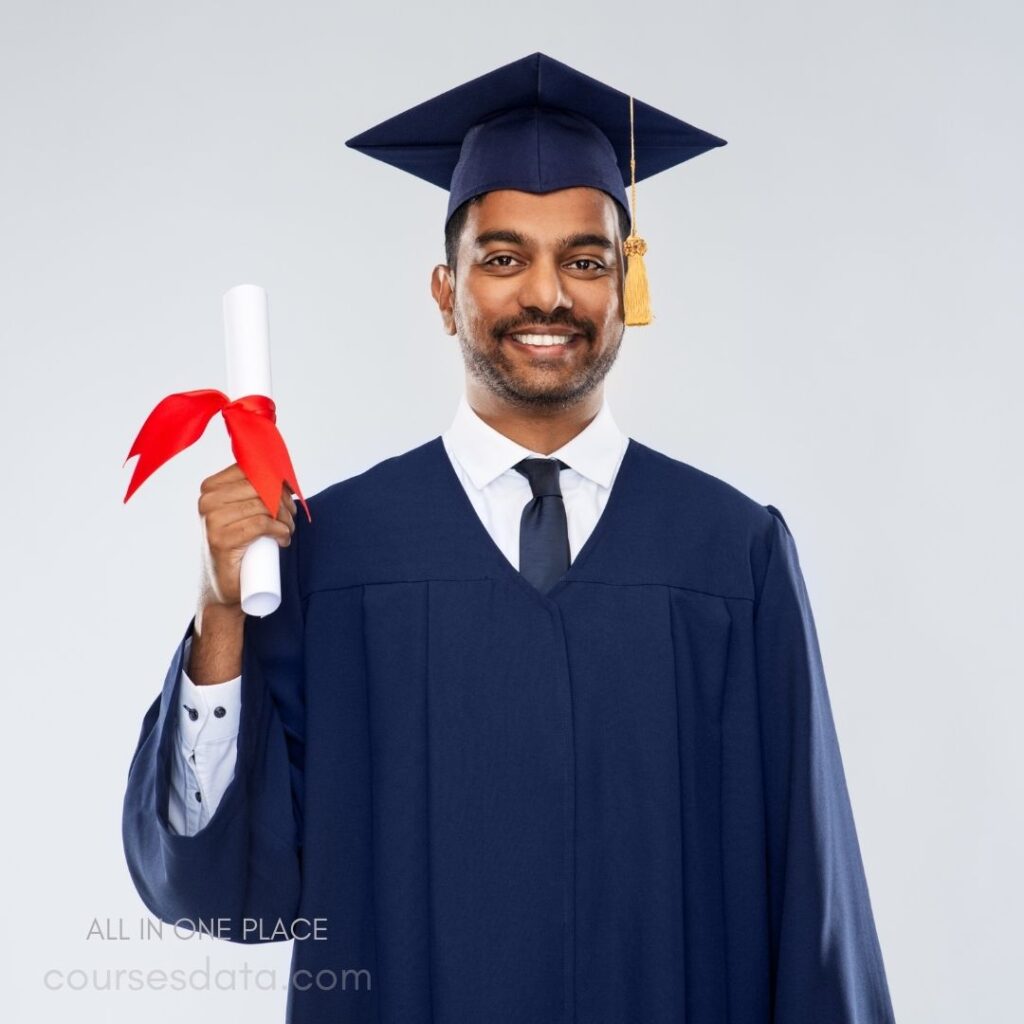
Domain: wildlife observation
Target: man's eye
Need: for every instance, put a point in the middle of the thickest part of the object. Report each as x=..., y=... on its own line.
x=495, y=261
x=585, y=263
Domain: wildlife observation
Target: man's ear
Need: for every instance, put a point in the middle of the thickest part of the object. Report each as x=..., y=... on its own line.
x=442, y=288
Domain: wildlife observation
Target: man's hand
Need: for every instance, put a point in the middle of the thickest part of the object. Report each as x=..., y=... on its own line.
x=233, y=516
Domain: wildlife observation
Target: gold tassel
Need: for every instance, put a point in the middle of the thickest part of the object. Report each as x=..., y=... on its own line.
x=636, y=291
x=637, y=297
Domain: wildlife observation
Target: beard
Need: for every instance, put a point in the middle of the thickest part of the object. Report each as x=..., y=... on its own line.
x=488, y=364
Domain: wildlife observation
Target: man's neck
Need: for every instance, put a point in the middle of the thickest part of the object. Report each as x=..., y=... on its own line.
x=539, y=429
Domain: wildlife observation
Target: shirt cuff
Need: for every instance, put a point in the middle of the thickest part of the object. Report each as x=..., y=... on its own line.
x=208, y=713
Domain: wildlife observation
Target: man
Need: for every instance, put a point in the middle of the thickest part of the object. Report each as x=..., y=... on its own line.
x=540, y=731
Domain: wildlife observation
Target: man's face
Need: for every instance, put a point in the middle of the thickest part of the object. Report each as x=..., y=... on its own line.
x=537, y=296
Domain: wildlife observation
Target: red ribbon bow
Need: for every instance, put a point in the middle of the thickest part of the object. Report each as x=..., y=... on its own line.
x=180, y=419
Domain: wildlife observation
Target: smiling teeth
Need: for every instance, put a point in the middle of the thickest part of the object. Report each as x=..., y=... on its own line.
x=542, y=339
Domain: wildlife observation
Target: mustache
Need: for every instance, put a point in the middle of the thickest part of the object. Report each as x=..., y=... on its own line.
x=510, y=325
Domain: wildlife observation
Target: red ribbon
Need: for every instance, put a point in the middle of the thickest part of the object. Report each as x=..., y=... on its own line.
x=180, y=419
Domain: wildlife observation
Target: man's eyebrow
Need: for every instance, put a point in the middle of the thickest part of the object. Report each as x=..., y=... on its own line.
x=584, y=239
x=501, y=235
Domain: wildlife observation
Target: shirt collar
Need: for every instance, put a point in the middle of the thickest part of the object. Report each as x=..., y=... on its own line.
x=485, y=453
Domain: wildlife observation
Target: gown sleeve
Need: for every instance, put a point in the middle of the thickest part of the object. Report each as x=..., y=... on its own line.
x=825, y=956
x=242, y=869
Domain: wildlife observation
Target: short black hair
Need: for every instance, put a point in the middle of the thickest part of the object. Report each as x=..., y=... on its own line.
x=457, y=221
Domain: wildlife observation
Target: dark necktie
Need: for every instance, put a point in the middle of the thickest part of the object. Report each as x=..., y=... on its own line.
x=543, y=531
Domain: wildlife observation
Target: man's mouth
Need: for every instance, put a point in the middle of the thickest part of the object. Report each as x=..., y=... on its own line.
x=543, y=340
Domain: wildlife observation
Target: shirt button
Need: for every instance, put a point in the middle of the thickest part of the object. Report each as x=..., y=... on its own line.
x=199, y=796
x=219, y=712
x=192, y=713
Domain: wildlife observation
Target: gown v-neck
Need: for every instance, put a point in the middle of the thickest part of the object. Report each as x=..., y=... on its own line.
x=474, y=526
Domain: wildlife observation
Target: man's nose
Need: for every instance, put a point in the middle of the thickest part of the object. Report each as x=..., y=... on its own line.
x=542, y=287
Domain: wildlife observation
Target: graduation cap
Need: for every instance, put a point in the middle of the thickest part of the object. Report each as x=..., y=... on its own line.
x=537, y=125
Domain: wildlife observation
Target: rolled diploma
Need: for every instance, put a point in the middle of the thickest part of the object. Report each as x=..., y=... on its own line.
x=247, y=341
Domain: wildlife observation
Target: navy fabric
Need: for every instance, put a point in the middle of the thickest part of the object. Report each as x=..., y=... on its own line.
x=543, y=528
x=534, y=125
x=622, y=800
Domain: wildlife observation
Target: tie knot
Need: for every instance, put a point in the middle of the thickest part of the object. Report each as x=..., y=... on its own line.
x=542, y=474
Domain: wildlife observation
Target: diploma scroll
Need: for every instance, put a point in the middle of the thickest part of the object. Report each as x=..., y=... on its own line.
x=247, y=344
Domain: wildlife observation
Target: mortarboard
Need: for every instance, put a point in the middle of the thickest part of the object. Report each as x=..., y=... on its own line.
x=537, y=125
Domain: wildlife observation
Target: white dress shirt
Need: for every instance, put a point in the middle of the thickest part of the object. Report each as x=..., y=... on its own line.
x=483, y=460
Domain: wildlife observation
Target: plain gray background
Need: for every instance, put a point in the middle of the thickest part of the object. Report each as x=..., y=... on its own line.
x=838, y=326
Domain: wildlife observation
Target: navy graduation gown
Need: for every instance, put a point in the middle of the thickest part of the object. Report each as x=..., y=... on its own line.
x=620, y=801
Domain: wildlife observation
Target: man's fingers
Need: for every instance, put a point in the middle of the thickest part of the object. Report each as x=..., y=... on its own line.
x=245, y=531
x=225, y=476
x=224, y=515
x=232, y=493
x=226, y=494
x=236, y=489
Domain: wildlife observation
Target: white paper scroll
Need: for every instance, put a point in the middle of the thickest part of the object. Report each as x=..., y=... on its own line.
x=247, y=340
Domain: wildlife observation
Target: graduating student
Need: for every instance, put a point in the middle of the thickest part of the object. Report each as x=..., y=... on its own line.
x=540, y=731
